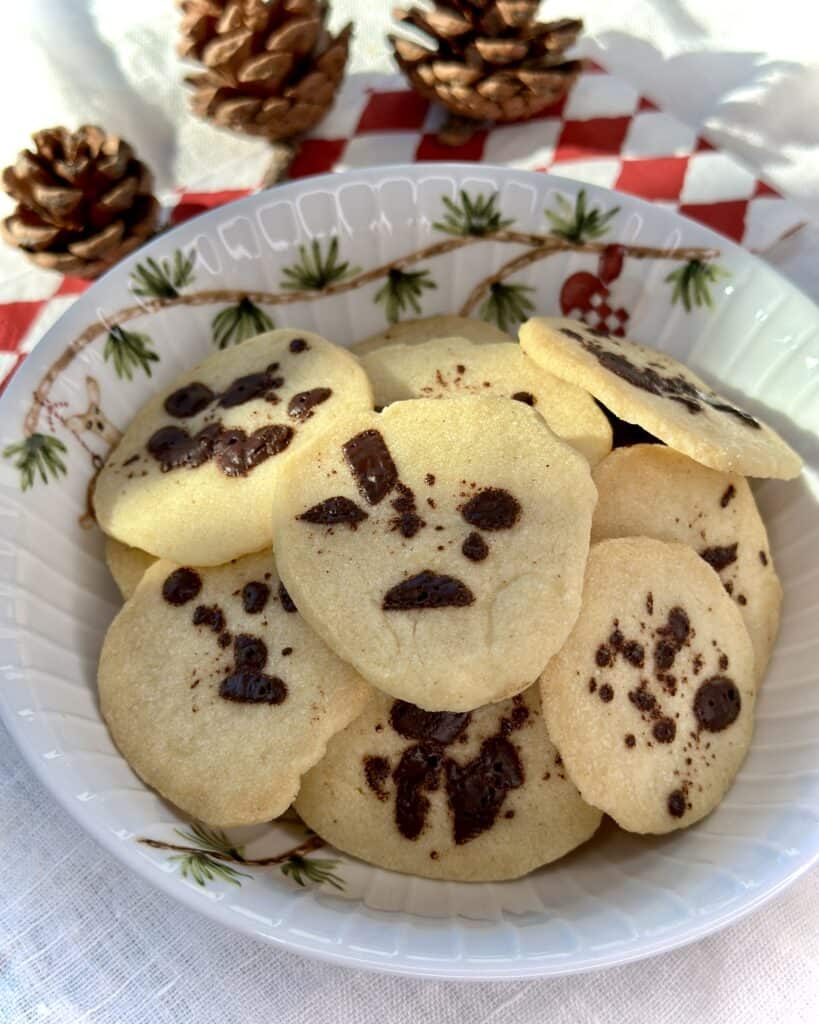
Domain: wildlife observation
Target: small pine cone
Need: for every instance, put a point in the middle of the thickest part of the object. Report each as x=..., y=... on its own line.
x=271, y=68
x=487, y=60
x=83, y=201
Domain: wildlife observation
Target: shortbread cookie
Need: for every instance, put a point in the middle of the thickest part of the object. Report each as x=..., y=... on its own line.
x=653, y=491
x=416, y=332
x=648, y=387
x=218, y=694
x=651, y=700
x=475, y=796
x=126, y=565
x=451, y=367
x=438, y=546
x=191, y=478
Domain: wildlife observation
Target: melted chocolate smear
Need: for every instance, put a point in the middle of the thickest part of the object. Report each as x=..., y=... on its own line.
x=524, y=396
x=728, y=494
x=286, y=599
x=571, y=334
x=676, y=803
x=429, y=479
x=413, y=723
x=251, y=687
x=245, y=389
x=174, y=447
x=491, y=509
x=333, y=512
x=371, y=465
x=717, y=704
x=298, y=345
x=236, y=453
x=249, y=652
x=418, y=770
x=181, y=586
x=476, y=791
x=301, y=406
x=407, y=522
x=625, y=434
x=188, y=400
x=633, y=653
x=674, y=634
x=518, y=717
x=376, y=772
x=210, y=616
x=254, y=596
x=676, y=388
x=602, y=656
x=665, y=730
x=225, y=639
x=474, y=548
x=720, y=557
x=427, y=590
x=643, y=700
x=763, y=558
x=605, y=693
x=742, y=416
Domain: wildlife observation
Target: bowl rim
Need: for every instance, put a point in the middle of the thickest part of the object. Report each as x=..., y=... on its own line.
x=466, y=969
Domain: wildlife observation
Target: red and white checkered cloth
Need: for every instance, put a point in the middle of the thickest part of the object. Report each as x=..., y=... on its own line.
x=604, y=133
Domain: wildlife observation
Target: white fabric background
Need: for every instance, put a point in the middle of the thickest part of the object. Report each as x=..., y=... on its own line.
x=82, y=940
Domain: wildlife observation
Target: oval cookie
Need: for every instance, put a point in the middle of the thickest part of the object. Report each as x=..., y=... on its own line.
x=192, y=476
x=218, y=694
x=476, y=796
x=438, y=546
x=416, y=332
x=451, y=367
x=651, y=700
x=651, y=491
x=644, y=386
x=126, y=565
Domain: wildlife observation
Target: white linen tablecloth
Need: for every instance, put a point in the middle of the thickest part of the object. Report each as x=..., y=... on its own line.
x=83, y=940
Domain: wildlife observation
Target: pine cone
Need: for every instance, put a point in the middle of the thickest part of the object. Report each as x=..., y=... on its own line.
x=493, y=60
x=83, y=201
x=272, y=67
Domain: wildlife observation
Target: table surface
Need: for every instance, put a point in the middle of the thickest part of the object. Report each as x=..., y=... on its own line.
x=81, y=939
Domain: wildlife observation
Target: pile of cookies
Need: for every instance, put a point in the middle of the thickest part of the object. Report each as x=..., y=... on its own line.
x=453, y=596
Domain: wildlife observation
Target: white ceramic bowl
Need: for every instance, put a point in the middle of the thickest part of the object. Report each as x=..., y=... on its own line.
x=619, y=898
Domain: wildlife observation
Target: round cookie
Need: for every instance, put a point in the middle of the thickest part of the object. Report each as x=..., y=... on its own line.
x=651, y=700
x=644, y=386
x=477, y=796
x=208, y=449
x=438, y=546
x=416, y=332
x=652, y=491
x=126, y=565
x=450, y=367
x=218, y=694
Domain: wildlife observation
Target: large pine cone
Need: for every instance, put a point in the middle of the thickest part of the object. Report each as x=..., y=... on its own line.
x=84, y=201
x=272, y=67
x=493, y=61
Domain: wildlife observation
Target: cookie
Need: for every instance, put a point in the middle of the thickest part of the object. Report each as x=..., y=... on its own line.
x=218, y=694
x=652, y=491
x=126, y=565
x=416, y=332
x=449, y=367
x=475, y=796
x=439, y=547
x=651, y=700
x=644, y=386
x=207, y=450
